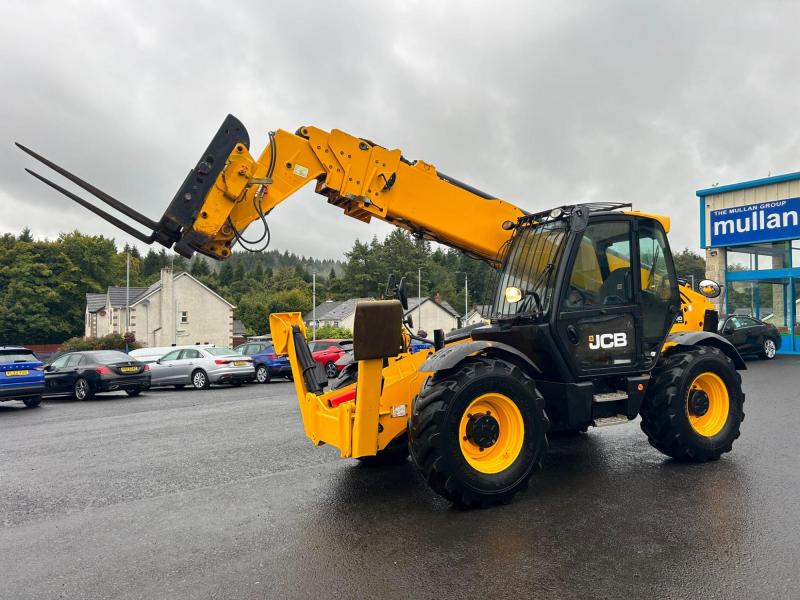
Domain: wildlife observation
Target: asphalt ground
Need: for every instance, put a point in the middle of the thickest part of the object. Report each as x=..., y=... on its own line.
x=218, y=494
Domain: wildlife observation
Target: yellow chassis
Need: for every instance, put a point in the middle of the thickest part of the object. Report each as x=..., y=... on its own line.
x=385, y=394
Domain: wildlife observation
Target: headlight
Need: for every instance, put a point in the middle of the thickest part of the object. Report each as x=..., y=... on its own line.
x=513, y=294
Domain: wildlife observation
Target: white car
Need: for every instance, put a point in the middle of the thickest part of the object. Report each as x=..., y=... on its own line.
x=200, y=367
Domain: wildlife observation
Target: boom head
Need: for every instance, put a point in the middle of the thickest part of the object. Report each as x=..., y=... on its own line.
x=176, y=226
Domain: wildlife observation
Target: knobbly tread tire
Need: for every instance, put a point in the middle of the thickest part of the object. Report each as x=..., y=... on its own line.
x=444, y=467
x=664, y=417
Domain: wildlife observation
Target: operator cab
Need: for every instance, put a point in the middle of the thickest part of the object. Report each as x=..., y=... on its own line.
x=586, y=291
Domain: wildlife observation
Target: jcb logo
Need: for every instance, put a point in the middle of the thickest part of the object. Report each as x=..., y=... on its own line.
x=608, y=340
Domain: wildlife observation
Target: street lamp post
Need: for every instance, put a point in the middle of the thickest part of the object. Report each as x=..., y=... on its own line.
x=466, y=294
x=314, y=305
x=419, y=299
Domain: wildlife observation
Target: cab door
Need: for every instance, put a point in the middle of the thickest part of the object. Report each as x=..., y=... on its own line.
x=599, y=316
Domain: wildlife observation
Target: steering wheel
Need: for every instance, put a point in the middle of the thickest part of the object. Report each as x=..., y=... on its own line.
x=576, y=297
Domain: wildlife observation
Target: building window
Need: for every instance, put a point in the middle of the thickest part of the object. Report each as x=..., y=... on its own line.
x=759, y=257
x=184, y=317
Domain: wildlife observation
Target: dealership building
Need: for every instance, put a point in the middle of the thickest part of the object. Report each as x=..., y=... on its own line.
x=751, y=235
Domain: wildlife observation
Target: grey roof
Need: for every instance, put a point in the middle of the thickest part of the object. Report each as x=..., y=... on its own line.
x=334, y=311
x=415, y=301
x=95, y=302
x=117, y=296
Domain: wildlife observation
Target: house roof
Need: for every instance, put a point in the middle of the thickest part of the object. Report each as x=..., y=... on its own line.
x=335, y=311
x=414, y=302
x=118, y=295
x=95, y=302
x=146, y=293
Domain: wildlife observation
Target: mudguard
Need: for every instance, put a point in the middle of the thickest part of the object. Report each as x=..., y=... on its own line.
x=451, y=356
x=706, y=338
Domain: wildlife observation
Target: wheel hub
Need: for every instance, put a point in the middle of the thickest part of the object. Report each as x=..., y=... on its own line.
x=698, y=403
x=483, y=430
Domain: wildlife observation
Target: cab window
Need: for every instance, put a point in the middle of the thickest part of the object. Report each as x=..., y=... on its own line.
x=658, y=284
x=601, y=273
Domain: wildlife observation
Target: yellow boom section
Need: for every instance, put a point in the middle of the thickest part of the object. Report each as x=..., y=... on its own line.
x=364, y=180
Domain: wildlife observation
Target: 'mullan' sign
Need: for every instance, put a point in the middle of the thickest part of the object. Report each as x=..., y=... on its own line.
x=777, y=220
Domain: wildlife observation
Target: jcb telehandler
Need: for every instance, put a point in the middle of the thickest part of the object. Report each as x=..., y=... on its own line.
x=589, y=325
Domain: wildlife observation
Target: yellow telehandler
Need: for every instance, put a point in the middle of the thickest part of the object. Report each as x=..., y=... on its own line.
x=589, y=327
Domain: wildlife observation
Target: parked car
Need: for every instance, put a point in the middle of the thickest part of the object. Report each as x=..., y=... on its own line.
x=84, y=374
x=200, y=367
x=266, y=362
x=21, y=375
x=751, y=336
x=149, y=355
x=327, y=352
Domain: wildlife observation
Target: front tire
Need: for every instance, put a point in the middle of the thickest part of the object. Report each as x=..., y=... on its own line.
x=262, y=374
x=82, y=389
x=768, y=349
x=200, y=380
x=694, y=407
x=478, y=432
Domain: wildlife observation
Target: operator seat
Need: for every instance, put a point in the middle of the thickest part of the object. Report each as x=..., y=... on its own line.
x=616, y=289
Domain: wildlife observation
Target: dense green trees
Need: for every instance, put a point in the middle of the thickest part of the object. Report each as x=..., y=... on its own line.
x=43, y=283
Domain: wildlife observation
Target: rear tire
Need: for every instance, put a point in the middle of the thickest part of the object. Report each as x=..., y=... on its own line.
x=262, y=374
x=395, y=453
x=200, y=380
x=694, y=407
x=768, y=349
x=448, y=452
x=82, y=389
x=33, y=402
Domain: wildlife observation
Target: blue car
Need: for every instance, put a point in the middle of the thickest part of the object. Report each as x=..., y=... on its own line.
x=21, y=375
x=266, y=362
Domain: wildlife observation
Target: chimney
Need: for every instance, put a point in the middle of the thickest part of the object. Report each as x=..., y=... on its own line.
x=437, y=298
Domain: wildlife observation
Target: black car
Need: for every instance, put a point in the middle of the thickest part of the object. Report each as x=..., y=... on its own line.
x=751, y=336
x=83, y=374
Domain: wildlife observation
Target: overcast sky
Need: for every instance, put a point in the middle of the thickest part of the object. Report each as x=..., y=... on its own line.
x=540, y=103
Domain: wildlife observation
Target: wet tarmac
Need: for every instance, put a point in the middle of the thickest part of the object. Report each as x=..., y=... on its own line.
x=217, y=494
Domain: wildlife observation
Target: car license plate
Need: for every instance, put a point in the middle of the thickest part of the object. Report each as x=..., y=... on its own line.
x=129, y=369
x=240, y=363
x=17, y=373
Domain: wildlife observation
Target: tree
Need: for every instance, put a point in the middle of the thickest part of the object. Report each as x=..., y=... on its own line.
x=25, y=235
x=688, y=264
x=200, y=267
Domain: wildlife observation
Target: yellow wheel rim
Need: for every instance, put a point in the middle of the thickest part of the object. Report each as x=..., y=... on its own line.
x=491, y=433
x=708, y=404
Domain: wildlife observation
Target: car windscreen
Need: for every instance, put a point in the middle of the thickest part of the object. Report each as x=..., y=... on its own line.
x=8, y=357
x=220, y=351
x=108, y=356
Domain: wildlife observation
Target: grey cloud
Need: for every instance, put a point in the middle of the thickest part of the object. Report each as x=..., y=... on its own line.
x=540, y=103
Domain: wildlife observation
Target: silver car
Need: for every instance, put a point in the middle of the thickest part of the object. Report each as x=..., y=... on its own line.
x=200, y=367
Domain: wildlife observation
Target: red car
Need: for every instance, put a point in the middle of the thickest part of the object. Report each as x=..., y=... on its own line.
x=327, y=352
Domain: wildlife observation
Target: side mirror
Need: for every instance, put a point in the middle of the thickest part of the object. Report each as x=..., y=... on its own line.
x=402, y=293
x=48, y=367
x=158, y=361
x=709, y=288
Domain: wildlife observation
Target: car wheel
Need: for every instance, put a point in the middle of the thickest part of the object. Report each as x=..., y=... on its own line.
x=200, y=380
x=262, y=374
x=83, y=391
x=768, y=349
x=134, y=392
x=33, y=402
x=331, y=371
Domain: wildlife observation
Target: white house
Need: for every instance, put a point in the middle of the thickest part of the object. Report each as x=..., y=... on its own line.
x=478, y=314
x=178, y=309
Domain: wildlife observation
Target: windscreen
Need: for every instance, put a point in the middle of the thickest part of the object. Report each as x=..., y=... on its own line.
x=8, y=356
x=531, y=263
